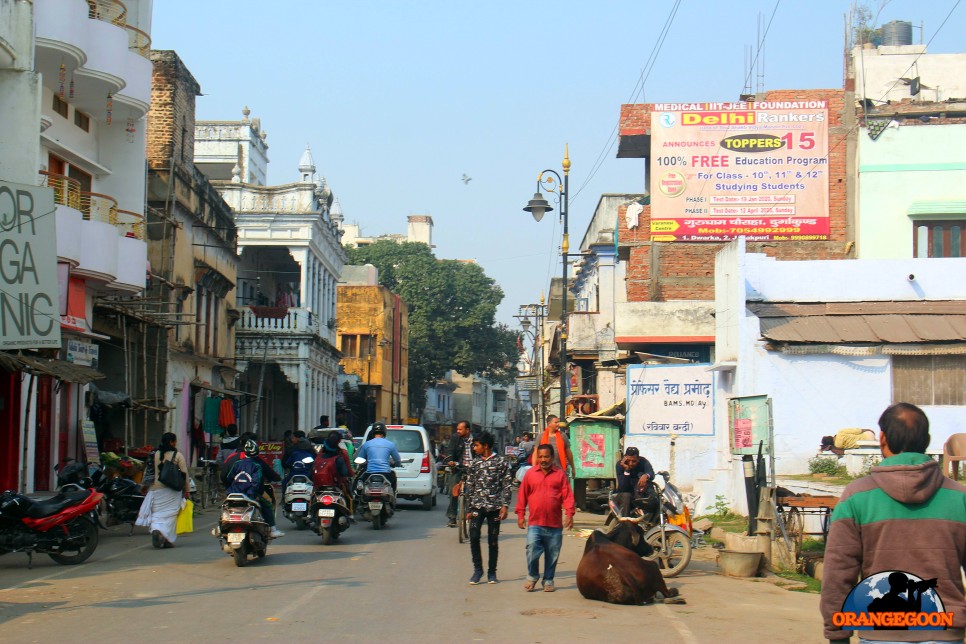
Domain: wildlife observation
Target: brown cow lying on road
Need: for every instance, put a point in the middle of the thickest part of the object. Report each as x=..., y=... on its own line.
x=615, y=573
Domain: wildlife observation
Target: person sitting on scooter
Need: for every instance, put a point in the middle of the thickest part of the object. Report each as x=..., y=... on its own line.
x=264, y=494
x=332, y=448
x=634, y=475
x=380, y=454
x=302, y=448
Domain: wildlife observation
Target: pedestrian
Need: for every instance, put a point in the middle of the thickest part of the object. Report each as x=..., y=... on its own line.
x=547, y=492
x=458, y=458
x=160, y=508
x=487, y=494
x=906, y=517
x=552, y=435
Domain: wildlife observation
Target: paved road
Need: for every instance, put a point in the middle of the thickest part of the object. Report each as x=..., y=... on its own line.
x=407, y=582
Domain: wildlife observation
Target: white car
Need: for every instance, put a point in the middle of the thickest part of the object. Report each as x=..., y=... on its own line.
x=416, y=477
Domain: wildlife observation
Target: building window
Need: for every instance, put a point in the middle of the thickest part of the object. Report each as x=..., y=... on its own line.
x=499, y=402
x=81, y=120
x=929, y=380
x=350, y=346
x=59, y=106
x=942, y=238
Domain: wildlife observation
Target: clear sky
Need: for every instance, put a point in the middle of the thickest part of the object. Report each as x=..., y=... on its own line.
x=399, y=99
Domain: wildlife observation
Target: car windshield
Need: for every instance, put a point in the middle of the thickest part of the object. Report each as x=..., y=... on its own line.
x=406, y=440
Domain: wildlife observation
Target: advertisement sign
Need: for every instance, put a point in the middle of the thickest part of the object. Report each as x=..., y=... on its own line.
x=83, y=353
x=669, y=399
x=749, y=423
x=758, y=169
x=29, y=293
x=90, y=441
x=595, y=446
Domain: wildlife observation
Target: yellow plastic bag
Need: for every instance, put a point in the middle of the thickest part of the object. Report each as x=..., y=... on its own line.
x=186, y=518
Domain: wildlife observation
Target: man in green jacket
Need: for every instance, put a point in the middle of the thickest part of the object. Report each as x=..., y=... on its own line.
x=905, y=516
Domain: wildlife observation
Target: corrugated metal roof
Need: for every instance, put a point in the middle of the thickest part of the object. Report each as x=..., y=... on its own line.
x=895, y=328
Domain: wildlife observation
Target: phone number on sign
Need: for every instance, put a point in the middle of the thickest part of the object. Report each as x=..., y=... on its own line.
x=739, y=230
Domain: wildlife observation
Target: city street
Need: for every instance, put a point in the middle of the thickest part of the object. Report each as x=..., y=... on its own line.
x=407, y=582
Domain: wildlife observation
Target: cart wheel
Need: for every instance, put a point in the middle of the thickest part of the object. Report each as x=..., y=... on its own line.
x=795, y=527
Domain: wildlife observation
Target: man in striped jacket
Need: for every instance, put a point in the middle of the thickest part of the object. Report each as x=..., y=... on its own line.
x=905, y=516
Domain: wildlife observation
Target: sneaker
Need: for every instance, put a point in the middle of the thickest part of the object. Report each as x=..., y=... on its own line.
x=491, y=578
x=451, y=524
x=276, y=533
x=477, y=576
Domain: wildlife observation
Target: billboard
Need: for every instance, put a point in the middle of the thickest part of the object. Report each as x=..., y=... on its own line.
x=721, y=170
x=29, y=292
x=668, y=399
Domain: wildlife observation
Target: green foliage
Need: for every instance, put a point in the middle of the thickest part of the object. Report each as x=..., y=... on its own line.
x=826, y=465
x=810, y=544
x=720, y=509
x=803, y=583
x=452, y=309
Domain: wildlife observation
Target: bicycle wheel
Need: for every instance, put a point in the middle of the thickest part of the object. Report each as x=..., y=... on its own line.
x=462, y=530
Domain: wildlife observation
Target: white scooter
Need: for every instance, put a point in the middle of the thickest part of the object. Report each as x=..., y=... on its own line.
x=298, y=494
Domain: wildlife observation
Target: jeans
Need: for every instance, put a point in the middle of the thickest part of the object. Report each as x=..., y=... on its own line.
x=543, y=541
x=492, y=518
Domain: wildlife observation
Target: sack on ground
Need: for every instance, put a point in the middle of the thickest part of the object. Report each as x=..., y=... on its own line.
x=171, y=475
x=186, y=522
x=245, y=477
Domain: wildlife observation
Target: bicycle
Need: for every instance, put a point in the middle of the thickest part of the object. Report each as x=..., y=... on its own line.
x=462, y=524
x=210, y=483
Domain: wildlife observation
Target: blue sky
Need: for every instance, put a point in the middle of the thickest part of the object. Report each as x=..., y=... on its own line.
x=399, y=99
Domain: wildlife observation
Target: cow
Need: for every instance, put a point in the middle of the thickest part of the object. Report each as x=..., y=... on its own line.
x=611, y=569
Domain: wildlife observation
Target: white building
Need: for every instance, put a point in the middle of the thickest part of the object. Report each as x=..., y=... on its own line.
x=419, y=228
x=75, y=84
x=291, y=257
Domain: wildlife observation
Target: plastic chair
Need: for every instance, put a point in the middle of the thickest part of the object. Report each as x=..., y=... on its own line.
x=954, y=451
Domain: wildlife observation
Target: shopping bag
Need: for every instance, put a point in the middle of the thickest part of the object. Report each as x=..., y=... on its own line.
x=186, y=518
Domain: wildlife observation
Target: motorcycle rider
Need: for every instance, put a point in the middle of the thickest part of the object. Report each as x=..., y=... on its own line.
x=634, y=473
x=380, y=454
x=332, y=448
x=264, y=494
x=298, y=448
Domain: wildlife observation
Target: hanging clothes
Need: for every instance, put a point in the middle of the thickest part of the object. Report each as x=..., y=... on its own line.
x=226, y=413
x=212, y=411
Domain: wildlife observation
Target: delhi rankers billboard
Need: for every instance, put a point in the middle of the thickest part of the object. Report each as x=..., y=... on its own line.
x=758, y=169
x=29, y=294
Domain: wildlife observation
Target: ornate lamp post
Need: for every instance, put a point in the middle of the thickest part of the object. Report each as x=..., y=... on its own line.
x=538, y=312
x=537, y=207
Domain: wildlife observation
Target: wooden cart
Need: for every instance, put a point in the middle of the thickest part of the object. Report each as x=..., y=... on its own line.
x=794, y=509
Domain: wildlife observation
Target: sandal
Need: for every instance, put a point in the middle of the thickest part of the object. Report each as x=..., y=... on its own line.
x=548, y=587
x=529, y=586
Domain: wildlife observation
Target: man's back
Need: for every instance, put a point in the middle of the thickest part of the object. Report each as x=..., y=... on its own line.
x=378, y=451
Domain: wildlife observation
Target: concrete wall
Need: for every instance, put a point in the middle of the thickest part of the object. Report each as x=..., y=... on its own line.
x=876, y=71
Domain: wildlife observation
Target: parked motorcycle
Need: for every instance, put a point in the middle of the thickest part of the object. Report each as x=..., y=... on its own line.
x=122, y=496
x=376, y=499
x=63, y=527
x=242, y=529
x=666, y=521
x=298, y=494
x=330, y=512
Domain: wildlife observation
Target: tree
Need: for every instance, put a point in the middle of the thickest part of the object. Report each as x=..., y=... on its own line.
x=452, y=309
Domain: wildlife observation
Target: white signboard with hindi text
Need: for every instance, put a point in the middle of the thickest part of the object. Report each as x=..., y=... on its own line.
x=29, y=293
x=669, y=399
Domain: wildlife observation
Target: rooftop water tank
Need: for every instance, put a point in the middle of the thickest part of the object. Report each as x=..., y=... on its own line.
x=897, y=32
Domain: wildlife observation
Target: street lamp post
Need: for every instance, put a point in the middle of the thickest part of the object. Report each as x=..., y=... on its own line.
x=538, y=206
x=538, y=311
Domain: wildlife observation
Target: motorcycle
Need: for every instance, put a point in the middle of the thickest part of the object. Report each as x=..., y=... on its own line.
x=330, y=512
x=242, y=529
x=63, y=527
x=122, y=496
x=376, y=500
x=667, y=525
x=298, y=494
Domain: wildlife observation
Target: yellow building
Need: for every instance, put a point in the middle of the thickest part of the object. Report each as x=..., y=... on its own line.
x=373, y=336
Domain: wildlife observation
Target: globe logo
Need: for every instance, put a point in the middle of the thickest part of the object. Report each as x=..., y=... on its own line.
x=893, y=600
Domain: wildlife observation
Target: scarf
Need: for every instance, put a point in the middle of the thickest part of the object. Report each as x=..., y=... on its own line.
x=558, y=448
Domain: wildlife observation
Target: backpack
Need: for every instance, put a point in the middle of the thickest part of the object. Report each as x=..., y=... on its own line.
x=325, y=474
x=245, y=477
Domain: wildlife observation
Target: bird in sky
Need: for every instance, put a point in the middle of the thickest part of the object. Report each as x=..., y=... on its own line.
x=466, y=179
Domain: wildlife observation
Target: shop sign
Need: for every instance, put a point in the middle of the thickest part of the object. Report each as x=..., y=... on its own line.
x=82, y=353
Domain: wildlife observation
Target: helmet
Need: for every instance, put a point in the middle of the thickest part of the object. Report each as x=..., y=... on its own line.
x=251, y=447
x=379, y=428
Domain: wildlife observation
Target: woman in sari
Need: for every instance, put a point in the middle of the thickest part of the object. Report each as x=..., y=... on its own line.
x=161, y=506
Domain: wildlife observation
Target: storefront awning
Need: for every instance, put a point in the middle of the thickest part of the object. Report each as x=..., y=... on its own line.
x=59, y=369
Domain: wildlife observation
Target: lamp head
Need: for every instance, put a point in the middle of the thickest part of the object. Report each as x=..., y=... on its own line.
x=525, y=323
x=538, y=206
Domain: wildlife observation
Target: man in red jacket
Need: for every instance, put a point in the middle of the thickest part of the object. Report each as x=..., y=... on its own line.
x=546, y=490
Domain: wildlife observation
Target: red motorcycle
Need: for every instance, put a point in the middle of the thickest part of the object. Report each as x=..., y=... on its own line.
x=63, y=527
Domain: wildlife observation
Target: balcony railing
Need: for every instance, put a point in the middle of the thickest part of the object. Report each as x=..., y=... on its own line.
x=112, y=11
x=272, y=319
x=138, y=41
x=98, y=207
x=67, y=191
x=131, y=224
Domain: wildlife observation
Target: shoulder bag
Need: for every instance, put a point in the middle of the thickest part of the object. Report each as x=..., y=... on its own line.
x=170, y=475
